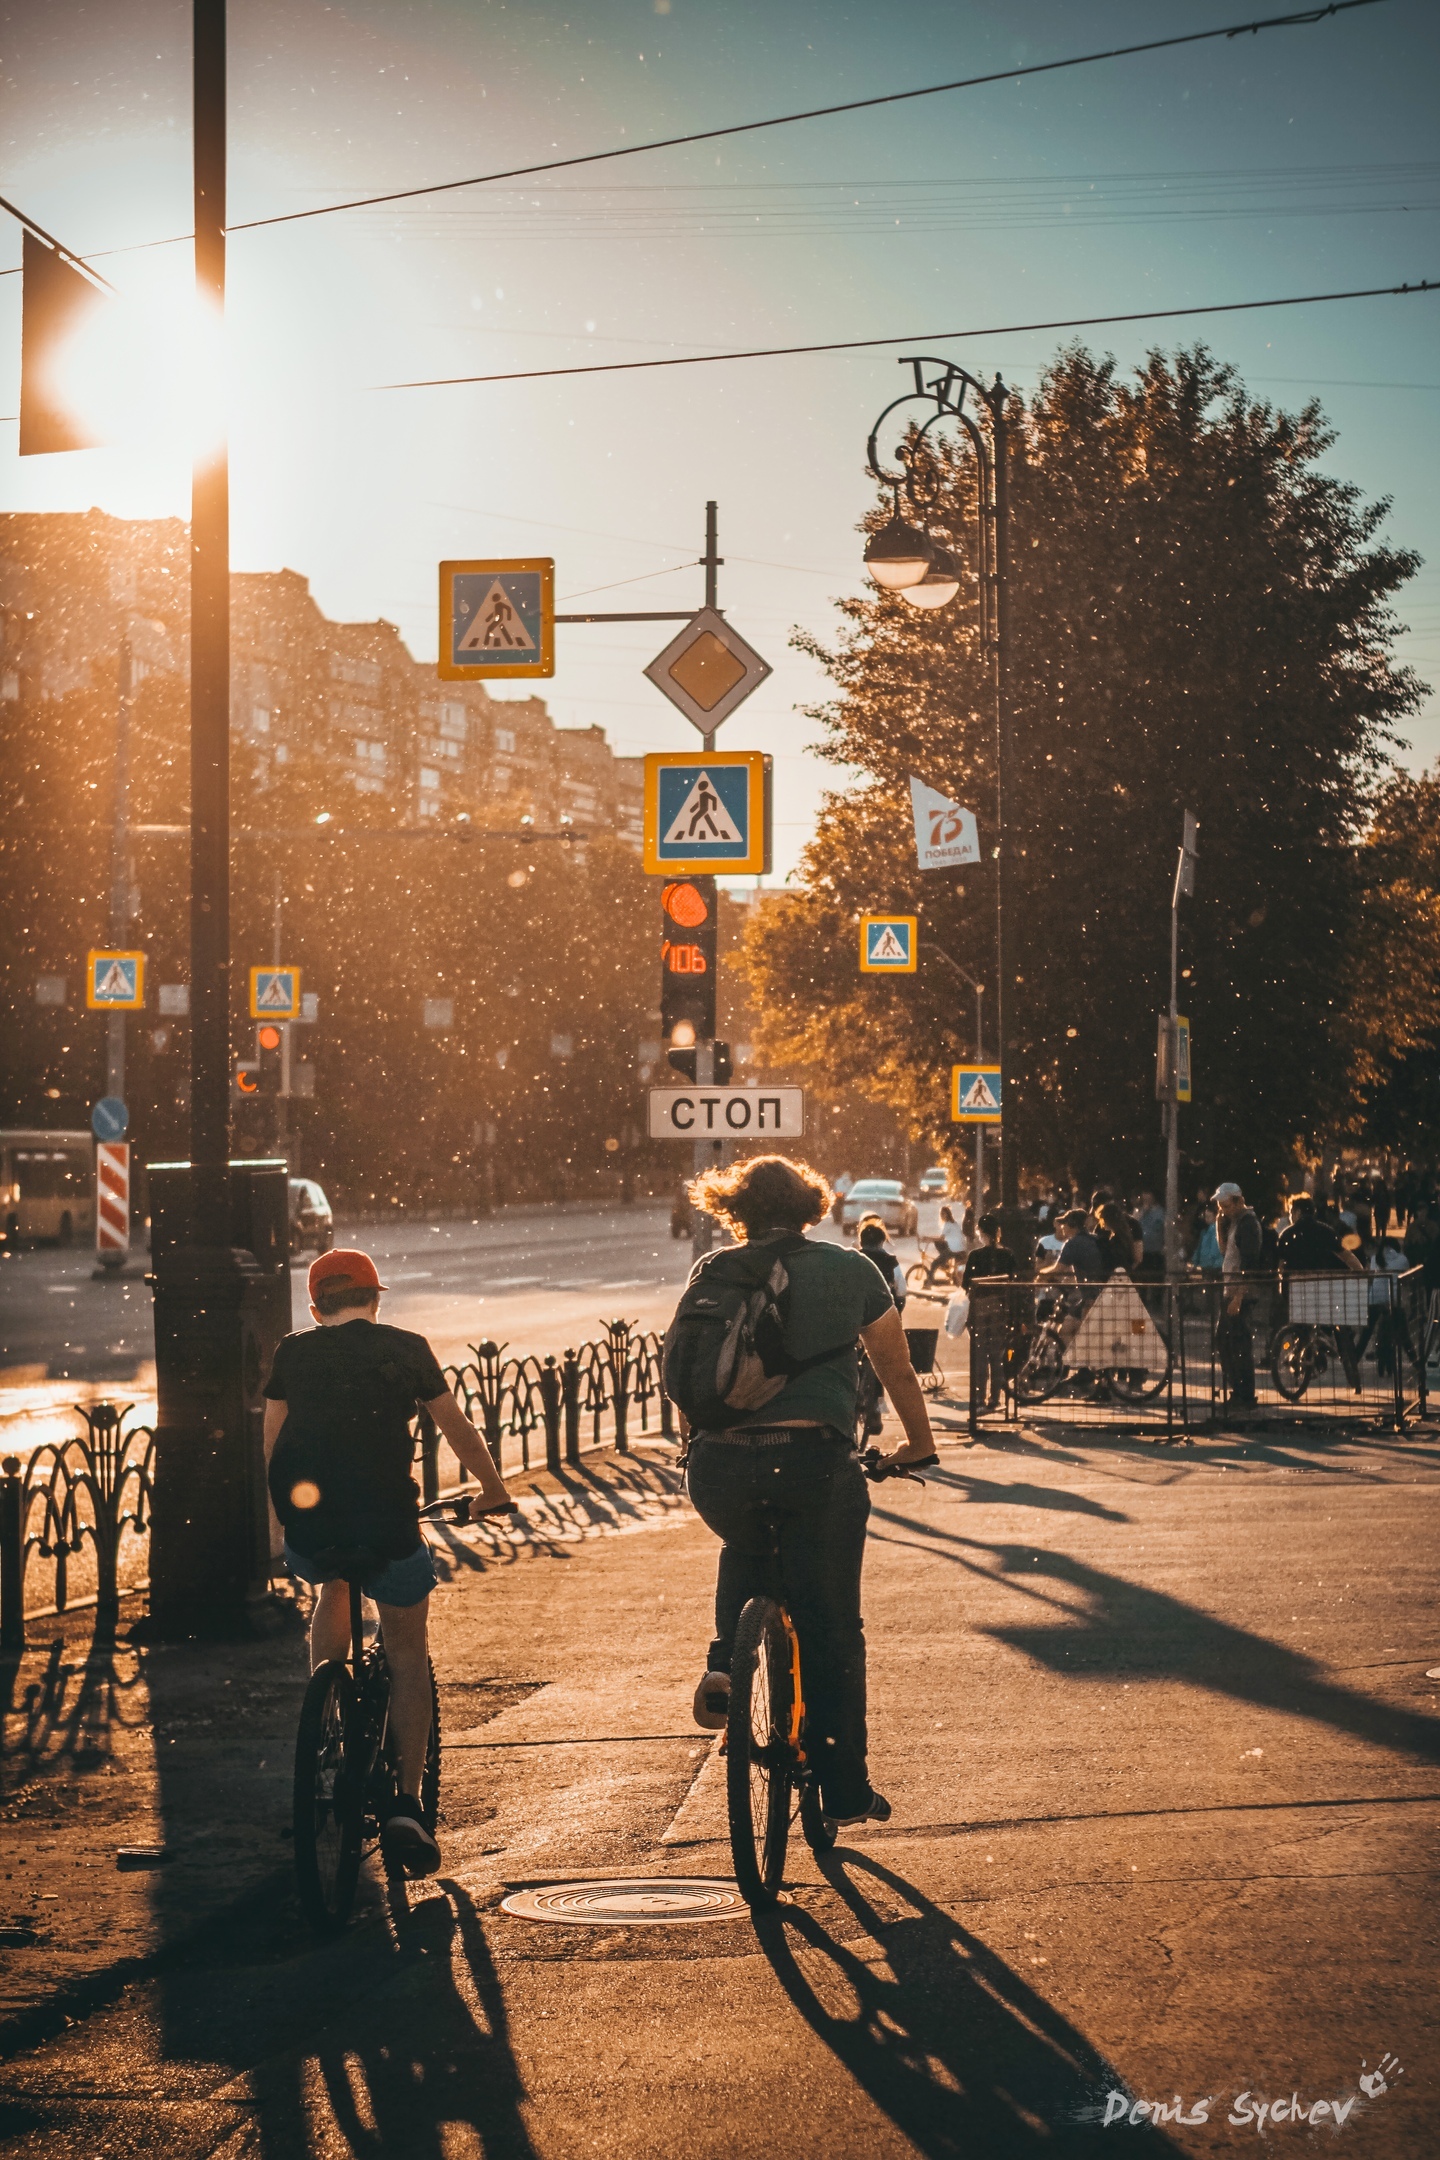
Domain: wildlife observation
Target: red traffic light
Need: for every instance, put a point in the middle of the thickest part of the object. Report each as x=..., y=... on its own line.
x=268, y=1037
x=684, y=905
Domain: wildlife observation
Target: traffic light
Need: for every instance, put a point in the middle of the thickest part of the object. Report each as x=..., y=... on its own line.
x=244, y=1080
x=60, y=311
x=687, y=970
x=269, y=1057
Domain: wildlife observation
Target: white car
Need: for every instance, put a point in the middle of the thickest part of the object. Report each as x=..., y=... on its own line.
x=884, y=1197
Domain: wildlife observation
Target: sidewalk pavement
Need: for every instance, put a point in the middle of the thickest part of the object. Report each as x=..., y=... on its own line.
x=1160, y=1729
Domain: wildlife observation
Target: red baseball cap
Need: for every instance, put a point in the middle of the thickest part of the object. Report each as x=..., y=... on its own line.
x=355, y=1270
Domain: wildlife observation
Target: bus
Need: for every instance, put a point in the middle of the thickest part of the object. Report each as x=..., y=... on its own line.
x=47, y=1187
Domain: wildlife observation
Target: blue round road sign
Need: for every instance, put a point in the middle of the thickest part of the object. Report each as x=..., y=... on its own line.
x=109, y=1120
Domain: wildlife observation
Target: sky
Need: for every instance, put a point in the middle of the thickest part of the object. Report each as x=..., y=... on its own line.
x=1301, y=160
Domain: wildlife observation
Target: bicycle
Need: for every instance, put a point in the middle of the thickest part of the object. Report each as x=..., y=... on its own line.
x=1301, y=1352
x=769, y=1777
x=943, y=1266
x=1046, y=1366
x=346, y=1770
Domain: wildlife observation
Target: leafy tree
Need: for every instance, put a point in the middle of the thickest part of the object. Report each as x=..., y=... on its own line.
x=1200, y=621
x=1394, y=984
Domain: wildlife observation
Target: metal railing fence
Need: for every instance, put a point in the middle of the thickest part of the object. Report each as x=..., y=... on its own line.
x=75, y=1515
x=1175, y=1358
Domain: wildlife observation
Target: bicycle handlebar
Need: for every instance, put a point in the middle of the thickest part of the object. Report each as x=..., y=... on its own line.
x=457, y=1507
x=877, y=1469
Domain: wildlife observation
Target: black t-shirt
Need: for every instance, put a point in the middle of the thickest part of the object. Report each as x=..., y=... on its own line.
x=351, y=1391
x=1083, y=1254
x=987, y=1260
x=1116, y=1249
x=1309, y=1247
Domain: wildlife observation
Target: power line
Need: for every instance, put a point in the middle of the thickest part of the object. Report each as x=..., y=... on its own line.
x=65, y=254
x=923, y=337
x=815, y=112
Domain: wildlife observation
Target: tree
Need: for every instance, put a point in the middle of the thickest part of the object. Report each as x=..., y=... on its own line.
x=1394, y=983
x=1200, y=621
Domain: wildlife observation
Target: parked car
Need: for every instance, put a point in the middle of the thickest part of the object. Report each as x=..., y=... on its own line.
x=934, y=1183
x=884, y=1197
x=311, y=1222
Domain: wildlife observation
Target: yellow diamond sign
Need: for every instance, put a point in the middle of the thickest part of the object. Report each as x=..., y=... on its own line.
x=708, y=670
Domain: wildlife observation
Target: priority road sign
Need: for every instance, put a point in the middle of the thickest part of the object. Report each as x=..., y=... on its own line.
x=115, y=981
x=274, y=993
x=708, y=670
x=726, y=1113
x=888, y=944
x=975, y=1095
x=709, y=813
x=497, y=618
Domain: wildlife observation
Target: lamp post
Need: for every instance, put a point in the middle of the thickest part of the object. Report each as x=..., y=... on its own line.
x=903, y=558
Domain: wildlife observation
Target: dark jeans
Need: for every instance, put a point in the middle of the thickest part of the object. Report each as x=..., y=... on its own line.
x=1235, y=1341
x=817, y=1492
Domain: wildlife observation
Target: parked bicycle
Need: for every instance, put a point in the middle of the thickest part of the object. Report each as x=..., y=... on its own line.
x=346, y=1768
x=1060, y=1349
x=1301, y=1353
x=769, y=1777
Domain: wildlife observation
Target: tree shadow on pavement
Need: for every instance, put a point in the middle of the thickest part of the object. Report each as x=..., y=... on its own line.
x=943, y=2035
x=1117, y=1626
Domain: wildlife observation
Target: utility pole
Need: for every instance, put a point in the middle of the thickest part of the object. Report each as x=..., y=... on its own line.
x=1184, y=886
x=708, y=1153
x=120, y=889
x=219, y=1232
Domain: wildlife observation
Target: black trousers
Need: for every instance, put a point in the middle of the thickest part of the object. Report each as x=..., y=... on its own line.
x=1235, y=1341
x=815, y=1491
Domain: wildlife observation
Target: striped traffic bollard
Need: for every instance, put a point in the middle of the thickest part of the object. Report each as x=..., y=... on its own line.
x=112, y=1201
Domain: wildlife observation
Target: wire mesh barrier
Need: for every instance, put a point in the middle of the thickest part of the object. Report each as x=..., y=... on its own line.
x=1176, y=1358
x=80, y=1508
x=586, y=1398
x=75, y=1516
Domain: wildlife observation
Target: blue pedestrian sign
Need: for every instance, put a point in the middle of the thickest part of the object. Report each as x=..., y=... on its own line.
x=707, y=814
x=888, y=944
x=115, y=981
x=275, y=993
x=109, y=1120
x=975, y=1095
x=497, y=619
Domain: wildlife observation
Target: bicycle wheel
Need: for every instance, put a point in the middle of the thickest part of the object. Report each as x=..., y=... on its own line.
x=328, y=1800
x=1292, y=1358
x=1043, y=1370
x=1136, y=1384
x=917, y=1275
x=758, y=1764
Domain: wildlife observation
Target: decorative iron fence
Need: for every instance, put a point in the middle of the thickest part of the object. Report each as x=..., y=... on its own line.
x=82, y=1506
x=93, y=1492
x=1175, y=1358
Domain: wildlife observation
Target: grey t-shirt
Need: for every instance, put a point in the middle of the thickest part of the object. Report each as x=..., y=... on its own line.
x=834, y=1292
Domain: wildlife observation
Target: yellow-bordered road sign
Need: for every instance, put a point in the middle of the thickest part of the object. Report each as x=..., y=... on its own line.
x=707, y=813
x=274, y=993
x=115, y=981
x=497, y=619
x=1182, y=1059
x=889, y=944
x=975, y=1095
x=707, y=669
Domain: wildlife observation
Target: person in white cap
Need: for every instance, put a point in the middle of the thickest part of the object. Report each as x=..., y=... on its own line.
x=1242, y=1245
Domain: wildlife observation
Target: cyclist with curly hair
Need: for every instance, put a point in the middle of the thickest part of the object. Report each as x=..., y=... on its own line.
x=796, y=1460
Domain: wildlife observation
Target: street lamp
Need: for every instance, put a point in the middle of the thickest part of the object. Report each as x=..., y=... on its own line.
x=903, y=557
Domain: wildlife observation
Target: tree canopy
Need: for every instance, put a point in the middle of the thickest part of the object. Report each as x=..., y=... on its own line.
x=1200, y=620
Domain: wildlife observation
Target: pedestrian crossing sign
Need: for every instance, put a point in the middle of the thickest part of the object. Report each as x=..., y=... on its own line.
x=975, y=1095
x=707, y=814
x=888, y=944
x=497, y=619
x=274, y=993
x=115, y=981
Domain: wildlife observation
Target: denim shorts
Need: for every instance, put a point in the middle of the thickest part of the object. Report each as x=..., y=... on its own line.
x=399, y=1582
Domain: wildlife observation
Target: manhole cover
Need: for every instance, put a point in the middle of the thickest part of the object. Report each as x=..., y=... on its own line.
x=629, y=1901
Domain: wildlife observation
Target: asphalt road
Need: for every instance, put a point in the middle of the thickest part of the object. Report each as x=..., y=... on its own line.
x=1161, y=1740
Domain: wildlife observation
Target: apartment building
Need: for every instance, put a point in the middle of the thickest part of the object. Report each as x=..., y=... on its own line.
x=76, y=587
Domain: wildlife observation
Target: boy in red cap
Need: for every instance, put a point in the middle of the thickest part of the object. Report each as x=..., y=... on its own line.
x=339, y=1402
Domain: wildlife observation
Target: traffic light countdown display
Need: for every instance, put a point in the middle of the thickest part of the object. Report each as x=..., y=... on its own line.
x=687, y=975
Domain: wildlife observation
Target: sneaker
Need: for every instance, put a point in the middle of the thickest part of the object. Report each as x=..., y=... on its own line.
x=712, y=1701
x=405, y=1842
x=878, y=1810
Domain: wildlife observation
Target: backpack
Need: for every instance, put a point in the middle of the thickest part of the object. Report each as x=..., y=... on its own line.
x=725, y=1352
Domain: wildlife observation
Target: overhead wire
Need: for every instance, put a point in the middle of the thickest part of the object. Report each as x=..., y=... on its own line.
x=920, y=337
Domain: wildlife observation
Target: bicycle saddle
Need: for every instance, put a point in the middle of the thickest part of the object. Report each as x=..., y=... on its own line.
x=352, y=1563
